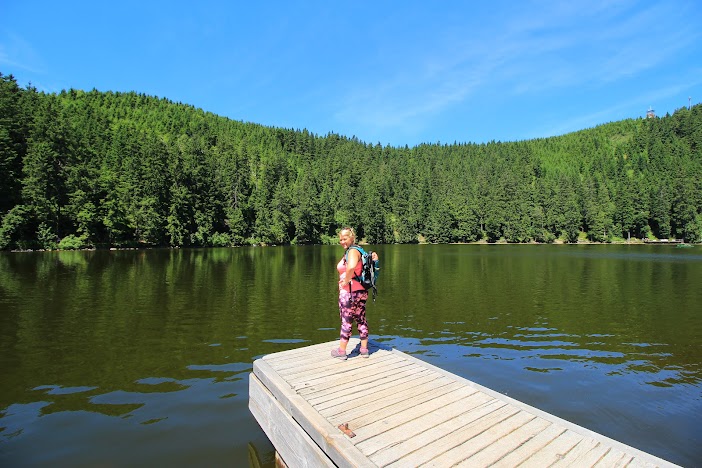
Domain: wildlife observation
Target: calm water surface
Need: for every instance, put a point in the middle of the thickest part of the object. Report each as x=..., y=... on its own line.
x=130, y=358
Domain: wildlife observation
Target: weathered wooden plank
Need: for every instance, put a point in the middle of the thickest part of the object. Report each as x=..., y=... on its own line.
x=638, y=462
x=285, y=360
x=586, y=453
x=291, y=353
x=329, y=368
x=475, y=443
x=370, y=393
x=310, y=366
x=530, y=446
x=502, y=447
x=554, y=450
x=329, y=439
x=352, y=409
x=614, y=459
x=342, y=389
x=398, y=413
x=427, y=452
x=392, y=444
x=315, y=386
x=405, y=412
x=288, y=438
x=639, y=456
x=306, y=363
x=376, y=426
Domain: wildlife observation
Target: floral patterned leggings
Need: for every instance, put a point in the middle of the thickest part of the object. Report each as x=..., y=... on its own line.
x=352, y=307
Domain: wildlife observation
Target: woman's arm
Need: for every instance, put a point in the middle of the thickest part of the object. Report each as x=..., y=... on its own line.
x=352, y=259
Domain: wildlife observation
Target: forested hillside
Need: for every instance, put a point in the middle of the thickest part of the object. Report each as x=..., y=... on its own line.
x=99, y=169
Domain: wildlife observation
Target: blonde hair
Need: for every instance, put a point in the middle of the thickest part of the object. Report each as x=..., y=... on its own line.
x=350, y=229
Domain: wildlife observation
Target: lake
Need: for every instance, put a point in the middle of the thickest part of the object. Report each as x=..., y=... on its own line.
x=123, y=358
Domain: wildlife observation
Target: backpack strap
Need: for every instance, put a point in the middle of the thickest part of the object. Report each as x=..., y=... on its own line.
x=346, y=259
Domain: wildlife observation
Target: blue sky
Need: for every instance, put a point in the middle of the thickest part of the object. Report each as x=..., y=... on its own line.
x=390, y=72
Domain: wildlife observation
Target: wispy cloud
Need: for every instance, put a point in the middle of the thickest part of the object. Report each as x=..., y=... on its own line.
x=594, y=46
x=17, y=53
x=644, y=41
x=622, y=108
x=534, y=50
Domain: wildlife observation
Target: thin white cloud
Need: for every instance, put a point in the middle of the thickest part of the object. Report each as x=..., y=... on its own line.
x=639, y=102
x=599, y=48
x=17, y=53
x=538, y=49
x=423, y=88
x=646, y=40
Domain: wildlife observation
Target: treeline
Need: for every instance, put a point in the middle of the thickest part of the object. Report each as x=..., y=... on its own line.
x=98, y=169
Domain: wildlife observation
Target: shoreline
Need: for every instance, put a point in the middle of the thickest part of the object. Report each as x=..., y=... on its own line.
x=671, y=242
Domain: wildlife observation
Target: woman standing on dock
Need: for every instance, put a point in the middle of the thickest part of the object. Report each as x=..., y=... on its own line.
x=352, y=295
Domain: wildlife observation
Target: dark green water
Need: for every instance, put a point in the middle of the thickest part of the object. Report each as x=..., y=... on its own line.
x=131, y=358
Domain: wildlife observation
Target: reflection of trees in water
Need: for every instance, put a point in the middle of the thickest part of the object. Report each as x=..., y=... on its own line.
x=627, y=309
x=141, y=335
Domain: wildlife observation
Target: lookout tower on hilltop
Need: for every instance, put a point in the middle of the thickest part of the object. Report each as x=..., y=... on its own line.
x=650, y=113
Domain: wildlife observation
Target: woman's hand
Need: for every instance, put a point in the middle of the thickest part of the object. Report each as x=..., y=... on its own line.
x=342, y=282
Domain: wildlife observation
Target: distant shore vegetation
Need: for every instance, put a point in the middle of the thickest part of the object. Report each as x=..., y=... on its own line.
x=91, y=169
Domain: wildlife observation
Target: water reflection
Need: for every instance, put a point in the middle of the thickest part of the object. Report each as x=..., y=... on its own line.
x=541, y=348
x=153, y=348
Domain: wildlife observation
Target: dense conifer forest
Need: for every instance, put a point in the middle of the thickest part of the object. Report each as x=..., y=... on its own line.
x=82, y=169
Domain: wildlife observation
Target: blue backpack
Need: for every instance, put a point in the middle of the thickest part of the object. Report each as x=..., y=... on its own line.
x=369, y=271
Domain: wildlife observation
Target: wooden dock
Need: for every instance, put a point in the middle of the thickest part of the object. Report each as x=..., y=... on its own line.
x=392, y=409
